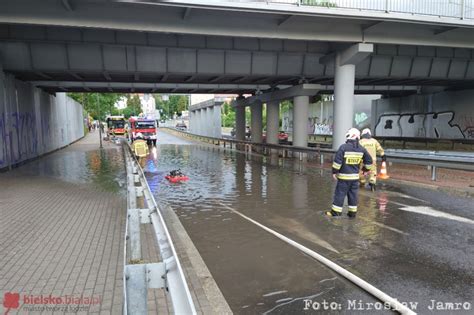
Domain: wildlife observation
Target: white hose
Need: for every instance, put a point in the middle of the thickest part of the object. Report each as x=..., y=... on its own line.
x=394, y=303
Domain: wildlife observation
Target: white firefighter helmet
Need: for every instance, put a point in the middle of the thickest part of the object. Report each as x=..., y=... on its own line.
x=352, y=134
x=366, y=131
x=139, y=135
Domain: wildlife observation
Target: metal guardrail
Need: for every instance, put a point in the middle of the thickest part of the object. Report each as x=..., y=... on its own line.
x=138, y=277
x=459, y=9
x=434, y=159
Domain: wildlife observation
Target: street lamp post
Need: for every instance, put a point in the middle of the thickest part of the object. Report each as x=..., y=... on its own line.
x=100, y=123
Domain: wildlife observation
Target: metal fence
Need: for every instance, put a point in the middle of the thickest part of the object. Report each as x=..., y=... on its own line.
x=441, y=159
x=460, y=9
x=139, y=276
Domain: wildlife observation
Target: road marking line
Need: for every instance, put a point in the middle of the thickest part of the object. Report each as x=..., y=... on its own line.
x=435, y=213
x=385, y=226
x=397, y=306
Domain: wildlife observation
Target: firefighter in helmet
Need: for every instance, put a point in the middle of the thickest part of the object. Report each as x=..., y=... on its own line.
x=139, y=146
x=374, y=148
x=345, y=169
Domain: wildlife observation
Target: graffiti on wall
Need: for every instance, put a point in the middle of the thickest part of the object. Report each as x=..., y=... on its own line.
x=320, y=127
x=4, y=139
x=315, y=126
x=426, y=125
x=22, y=139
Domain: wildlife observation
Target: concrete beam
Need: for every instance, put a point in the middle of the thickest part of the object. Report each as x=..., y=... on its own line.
x=350, y=56
x=305, y=89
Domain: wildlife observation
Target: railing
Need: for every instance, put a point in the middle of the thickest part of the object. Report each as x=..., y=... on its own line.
x=138, y=277
x=434, y=159
x=460, y=9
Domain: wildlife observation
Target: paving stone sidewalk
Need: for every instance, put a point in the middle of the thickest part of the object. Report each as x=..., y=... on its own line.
x=61, y=235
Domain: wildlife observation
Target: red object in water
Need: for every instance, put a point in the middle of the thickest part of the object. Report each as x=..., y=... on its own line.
x=177, y=179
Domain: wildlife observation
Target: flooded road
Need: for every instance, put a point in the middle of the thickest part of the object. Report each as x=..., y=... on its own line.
x=84, y=165
x=414, y=244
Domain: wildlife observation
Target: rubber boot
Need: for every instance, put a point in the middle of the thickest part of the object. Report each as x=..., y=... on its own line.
x=372, y=187
x=351, y=214
x=332, y=213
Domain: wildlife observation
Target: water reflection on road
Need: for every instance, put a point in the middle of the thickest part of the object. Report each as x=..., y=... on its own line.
x=258, y=273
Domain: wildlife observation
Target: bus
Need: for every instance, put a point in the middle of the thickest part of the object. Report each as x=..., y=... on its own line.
x=115, y=125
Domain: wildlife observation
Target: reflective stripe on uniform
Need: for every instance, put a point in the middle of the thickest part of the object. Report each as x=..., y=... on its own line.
x=336, y=208
x=348, y=176
x=348, y=153
x=336, y=166
x=368, y=166
x=352, y=208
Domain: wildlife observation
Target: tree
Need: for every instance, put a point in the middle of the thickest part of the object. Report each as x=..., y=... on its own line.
x=173, y=106
x=134, y=107
x=98, y=105
x=228, y=115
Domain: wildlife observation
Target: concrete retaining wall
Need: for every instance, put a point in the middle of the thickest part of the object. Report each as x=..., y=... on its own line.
x=444, y=115
x=33, y=122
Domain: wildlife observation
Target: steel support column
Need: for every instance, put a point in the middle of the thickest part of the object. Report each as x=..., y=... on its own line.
x=300, y=121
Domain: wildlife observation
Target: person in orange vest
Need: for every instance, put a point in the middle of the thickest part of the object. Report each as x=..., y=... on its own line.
x=374, y=148
x=140, y=148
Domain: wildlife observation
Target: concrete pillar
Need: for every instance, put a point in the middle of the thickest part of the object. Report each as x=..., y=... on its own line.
x=240, y=123
x=218, y=120
x=257, y=124
x=273, y=121
x=191, y=120
x=205, y=122
x=300, y=121
x=201, y=121
x=343, y=100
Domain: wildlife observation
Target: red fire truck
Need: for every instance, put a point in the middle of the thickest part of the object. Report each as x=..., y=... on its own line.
x=146, y=126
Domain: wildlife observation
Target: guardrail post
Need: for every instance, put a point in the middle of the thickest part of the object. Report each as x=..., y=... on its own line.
x=134, y=234
x=433, y=172
x=321, y=158
x=387, y=9
x=463, y=9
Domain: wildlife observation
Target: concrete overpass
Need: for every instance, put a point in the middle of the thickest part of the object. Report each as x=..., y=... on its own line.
x=236, y=46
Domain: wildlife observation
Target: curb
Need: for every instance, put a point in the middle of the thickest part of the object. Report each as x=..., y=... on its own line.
x=185, y=245
x=457, y=191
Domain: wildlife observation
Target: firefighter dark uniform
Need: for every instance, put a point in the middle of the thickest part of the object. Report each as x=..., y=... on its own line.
x=346, y=166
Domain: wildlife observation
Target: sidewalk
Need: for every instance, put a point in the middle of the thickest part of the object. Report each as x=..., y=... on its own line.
x=62, y=227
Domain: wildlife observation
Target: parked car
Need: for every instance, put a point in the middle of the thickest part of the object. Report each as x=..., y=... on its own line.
x=282, y=137
x=181, y=126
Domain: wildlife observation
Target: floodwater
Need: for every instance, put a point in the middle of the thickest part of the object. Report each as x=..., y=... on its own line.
x=415, y=257
x=83, y=164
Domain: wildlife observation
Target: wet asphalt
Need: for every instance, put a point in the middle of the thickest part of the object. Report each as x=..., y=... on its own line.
x=414, y=244
x=422, y=258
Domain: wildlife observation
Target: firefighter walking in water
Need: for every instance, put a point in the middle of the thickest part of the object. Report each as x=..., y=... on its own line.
x=374, y=148
x=345, y=169
x=140, y=148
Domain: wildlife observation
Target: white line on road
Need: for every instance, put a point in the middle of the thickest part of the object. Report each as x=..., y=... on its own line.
x=396, y=305
x=384, y=226
x=435, y=213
